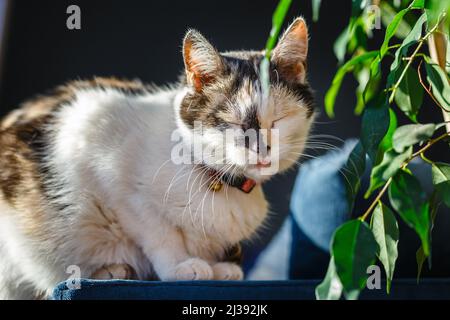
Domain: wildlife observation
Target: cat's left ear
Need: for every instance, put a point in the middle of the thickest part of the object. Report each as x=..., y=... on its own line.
x=289, y=56
x=202, y=61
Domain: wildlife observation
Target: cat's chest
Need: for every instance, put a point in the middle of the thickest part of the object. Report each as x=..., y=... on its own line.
x=229, y=215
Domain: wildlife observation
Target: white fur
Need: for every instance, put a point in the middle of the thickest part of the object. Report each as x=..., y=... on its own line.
x=114, y=150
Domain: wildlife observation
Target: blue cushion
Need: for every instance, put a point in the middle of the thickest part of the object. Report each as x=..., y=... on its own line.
x=238, y=290
x=319, y=206
x=187, y=290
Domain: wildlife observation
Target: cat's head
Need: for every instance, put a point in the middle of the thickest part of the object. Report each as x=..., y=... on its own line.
x=223, y=93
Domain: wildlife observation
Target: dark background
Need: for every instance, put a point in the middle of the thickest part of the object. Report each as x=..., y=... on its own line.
x=142, y=39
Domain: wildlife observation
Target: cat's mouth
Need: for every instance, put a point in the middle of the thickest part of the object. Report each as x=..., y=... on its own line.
x=239, y=181
x=265, y=164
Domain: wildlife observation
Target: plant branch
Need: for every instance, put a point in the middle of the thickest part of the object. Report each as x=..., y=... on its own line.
x=427, y=89
x=437, y=45
x=426, y=147
x=412, y=57
x=374, y=203
x=402, y=75
x=388, y=182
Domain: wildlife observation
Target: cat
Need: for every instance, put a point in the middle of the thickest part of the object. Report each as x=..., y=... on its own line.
x=88, y=180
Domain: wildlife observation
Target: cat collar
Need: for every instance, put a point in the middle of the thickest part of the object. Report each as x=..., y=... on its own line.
x=240, y=182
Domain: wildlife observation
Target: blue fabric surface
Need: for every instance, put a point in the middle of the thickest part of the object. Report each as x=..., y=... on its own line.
x=307, y=260
x=239, y=290
x=319, y=206
x=188, y=290
x=318, y=202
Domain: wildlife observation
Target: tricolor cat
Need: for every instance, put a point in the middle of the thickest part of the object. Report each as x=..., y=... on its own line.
x=87, y=175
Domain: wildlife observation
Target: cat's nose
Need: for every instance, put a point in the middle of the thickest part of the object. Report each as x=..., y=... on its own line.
x=264, y=163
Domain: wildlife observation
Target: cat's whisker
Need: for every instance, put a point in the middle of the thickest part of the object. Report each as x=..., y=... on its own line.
x=159, y=169
x=191, y=199
x=326, y=136
x=228, y=166
x=203, y=172
x=341, y=170
x=166, y=194
x=202, y=202
x=200, y=171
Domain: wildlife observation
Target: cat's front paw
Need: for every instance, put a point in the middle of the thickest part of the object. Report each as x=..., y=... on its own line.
x=192, y=269
x=227, y=271
x=114, y=271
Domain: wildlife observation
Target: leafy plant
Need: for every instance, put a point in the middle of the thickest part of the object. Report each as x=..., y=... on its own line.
x=418, y=64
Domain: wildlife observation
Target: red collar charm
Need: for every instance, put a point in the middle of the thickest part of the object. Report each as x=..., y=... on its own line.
x=240, y=182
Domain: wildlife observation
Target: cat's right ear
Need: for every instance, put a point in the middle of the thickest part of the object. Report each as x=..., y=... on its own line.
x=289, y=56
x=201, y=60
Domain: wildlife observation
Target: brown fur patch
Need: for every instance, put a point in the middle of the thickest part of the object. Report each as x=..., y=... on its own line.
x=23, y=142
x=234, y=254
x=43, y=105
x=19, y=180
x=240, y=72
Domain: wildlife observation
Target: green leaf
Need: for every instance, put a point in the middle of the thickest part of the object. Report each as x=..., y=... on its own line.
x=354, y=249
x=398, y=64
x=348, y=37
x=410, y=134
x=374, y=79
x=375, y=125
x=439, y=83
x=418, y=4
x=369, y=81
x=441, y=180
x=391, y=163
x=441, y=172
x=358, y=7
x=420, y=259
x=353, y=171
x=385, y=231
x=410, y=201
x=409, y=94
x=411, y=39
x=436, y=8
x=316, y=9
x=358, y=38
x=340, y=45
x=387, y=15
x=391, y=29
x=369, y=92
x=332, y=92
x=420, y=254
x=387, y=142
x=277, y=22
x=331, y=287
x=363, y=77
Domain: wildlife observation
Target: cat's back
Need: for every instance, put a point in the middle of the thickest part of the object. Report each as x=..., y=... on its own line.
x=37, y=110
x=61, y=120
